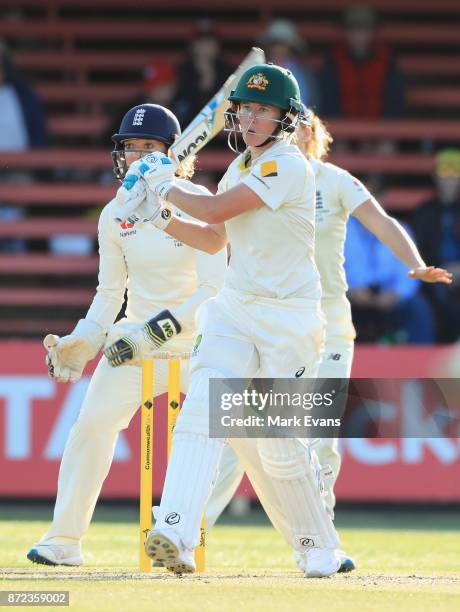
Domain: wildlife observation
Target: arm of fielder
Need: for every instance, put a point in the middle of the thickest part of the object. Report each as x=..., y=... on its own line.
x=391, y=233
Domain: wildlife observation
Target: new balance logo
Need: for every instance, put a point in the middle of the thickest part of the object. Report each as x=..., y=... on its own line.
x=138, y=118
x=172, y=518
x=307, y=542
x=335, y=356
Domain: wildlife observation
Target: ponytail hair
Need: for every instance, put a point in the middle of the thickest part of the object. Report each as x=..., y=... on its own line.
x=321, y=139
x=186, y=168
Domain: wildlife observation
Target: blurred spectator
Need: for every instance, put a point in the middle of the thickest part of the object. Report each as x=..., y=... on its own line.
x=201, y=74
x=387, y=305
x=159, y=84
x=284, y=46
x=361, y=78
x=22, y=125
x=22, y=122
x=437, y=230
x=159, y=87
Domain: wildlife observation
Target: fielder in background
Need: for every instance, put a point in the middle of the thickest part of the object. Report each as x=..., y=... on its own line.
x=162, y=275
x=338, y=194
x=266, y=322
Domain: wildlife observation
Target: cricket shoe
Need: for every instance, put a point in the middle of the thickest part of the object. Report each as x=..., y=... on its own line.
x=169, y=550
x=347, y=564
x=56, y=554
x=318, y=562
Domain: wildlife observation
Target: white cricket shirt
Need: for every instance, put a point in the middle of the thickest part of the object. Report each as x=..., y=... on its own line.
x=158, y=271
x=273, y=246
x=338, y=193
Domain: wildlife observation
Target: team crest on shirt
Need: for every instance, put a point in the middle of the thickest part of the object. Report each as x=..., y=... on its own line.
x=126, y=224
x=319, y=200
x=258, y=81
x=127, y=227
x=269, y=168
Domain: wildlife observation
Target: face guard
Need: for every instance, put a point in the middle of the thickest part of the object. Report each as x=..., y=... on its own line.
x=120, y=167
x=305, y=115
x=119, y=164
x=284, y=126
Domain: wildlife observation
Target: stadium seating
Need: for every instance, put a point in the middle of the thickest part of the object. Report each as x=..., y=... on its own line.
x=84, y=56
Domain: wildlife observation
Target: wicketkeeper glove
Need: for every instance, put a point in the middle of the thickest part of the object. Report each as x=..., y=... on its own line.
x=151, y=336
x=67, y=356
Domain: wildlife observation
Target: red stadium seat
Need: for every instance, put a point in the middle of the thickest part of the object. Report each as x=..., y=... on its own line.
x=45, y=297
x=56, y=265
x=45, y=227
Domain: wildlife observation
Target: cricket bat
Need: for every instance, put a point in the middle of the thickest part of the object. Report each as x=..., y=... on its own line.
x=210, y=120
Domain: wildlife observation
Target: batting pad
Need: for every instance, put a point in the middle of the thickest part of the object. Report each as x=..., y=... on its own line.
x=295, y=472
x=191, y=474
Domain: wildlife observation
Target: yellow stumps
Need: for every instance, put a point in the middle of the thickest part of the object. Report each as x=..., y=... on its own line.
x=146, y=460
x=173, y=398
x=173, y=413
x=146, y=465
x=200, y=550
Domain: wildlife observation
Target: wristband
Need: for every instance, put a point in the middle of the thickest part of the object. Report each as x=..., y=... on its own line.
x=163, y=218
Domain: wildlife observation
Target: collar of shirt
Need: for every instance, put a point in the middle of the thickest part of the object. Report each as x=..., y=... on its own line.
x=273, y=150
x=315, y=164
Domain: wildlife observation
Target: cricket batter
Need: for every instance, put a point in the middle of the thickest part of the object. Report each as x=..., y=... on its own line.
x=338, y=194
x=266, y=322
x=159, y=273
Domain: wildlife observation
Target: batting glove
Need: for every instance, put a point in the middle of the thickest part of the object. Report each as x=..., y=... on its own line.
x=158, y=171
x=132, y=189
x=134, y=347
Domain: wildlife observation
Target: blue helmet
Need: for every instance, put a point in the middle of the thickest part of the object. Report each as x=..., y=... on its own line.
x=150, y=121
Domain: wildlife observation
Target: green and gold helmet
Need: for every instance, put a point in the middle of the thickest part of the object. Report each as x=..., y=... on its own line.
x=268, y=84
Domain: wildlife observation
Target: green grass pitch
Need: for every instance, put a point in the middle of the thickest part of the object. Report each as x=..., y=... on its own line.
x=407, y=561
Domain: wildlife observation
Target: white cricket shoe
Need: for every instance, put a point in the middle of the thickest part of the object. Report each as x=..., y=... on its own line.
x=56, y=554
x=318, y=562
x=166, y=547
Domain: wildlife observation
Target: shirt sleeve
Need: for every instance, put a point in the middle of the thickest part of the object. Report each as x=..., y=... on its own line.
x=112, y=274
x=210, y=270
x=352, y=192
x=222, y=186
x=279, y=180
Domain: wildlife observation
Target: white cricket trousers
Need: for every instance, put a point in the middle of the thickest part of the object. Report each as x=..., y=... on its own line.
x=243, y=337
x=336, y=363
x=112, y=398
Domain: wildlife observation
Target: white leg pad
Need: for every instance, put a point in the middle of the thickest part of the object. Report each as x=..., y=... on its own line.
x=191, y=473
x=295, y=472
